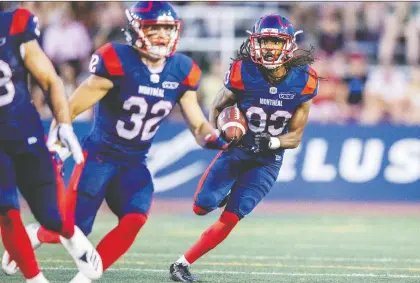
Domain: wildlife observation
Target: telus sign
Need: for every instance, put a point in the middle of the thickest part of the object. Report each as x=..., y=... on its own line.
x=359, y=161
x=380, y=163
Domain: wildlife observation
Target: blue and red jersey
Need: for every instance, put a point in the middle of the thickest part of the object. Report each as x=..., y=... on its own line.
x=128, y=117
x=16, y=28
x=269, y=108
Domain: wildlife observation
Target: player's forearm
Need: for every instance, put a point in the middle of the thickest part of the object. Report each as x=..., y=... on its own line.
x=201, y=132
x=289, y=140
x=223, y=99
x=216, y=108
x=214, y=112
x=57, y=101
x=72, y=109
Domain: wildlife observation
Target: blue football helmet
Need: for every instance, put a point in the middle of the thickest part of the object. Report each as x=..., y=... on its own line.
x=273, y=26
x=149, y=13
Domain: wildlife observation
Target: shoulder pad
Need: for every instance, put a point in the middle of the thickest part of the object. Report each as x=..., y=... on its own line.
x=311, y=82
x=233, y=79
x=105, y=62
x=24, y=24
x=311, y=85
x=190, y=72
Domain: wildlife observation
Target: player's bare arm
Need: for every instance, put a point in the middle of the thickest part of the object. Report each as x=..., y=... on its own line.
x=42, y=69
x=223, y=99
x=194, y=116
x=93, y=89
x=296, y=127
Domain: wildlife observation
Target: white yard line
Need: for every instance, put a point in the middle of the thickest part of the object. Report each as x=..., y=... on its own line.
x=292, y=258
x=290, y=274
x=279, y=257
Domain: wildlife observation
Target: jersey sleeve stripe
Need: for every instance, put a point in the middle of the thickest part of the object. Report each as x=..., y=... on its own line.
x=193, y=77
x=236, y=76
x=111, y=60
x=19, y=21
x=311, y=83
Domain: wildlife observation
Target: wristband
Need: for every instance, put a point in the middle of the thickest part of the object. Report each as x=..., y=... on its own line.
x=274, y=143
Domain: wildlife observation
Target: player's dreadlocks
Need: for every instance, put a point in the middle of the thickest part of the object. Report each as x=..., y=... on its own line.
x=301, y=57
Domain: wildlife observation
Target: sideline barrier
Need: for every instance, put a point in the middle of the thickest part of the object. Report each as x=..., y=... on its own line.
x=347, y=163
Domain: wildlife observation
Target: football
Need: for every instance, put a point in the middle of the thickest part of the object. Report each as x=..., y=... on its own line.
x=232, y=123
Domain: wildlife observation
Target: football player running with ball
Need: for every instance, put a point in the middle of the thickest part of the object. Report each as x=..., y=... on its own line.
x=134, y=86
x=271, y=83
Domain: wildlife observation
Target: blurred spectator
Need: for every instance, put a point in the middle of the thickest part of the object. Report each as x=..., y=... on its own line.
x=354, y=86
x=413, y=93
x=386, y=96
x=65, y=39
x=331, y=37
x=373, y=19
x=83, y=12
x=325, y=108
x=402, y=22
x=112, y=19
x=362, y=20
x=68, y=75
x=211, y=83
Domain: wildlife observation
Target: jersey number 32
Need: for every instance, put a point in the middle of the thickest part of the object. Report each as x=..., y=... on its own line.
x=150, y=126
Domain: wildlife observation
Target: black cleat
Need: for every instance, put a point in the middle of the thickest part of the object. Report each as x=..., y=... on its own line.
x=225, y=200
x=180, y=273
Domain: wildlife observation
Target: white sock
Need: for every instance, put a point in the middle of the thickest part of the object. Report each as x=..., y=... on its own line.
x=38, y=279
x=183, y=261
x=80, y=278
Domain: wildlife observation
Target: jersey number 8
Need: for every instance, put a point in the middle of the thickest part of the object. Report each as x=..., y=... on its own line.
x=7, y=89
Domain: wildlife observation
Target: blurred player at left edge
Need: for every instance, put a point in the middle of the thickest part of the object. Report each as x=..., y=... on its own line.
x=25, y=160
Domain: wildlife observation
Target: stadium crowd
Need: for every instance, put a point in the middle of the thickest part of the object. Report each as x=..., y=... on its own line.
x=367, y=53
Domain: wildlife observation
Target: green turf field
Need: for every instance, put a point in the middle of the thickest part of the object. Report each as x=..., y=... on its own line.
x=283, y=248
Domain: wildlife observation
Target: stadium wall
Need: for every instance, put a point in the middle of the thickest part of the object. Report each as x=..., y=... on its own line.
x=340, y=163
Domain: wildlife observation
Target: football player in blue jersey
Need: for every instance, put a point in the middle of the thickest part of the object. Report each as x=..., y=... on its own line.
x=272, y=84
x=134, y=86
x=25, y=160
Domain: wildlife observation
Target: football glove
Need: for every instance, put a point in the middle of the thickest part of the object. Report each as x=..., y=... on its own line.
x=215, y=141
x=64, y=133
x=261, y=143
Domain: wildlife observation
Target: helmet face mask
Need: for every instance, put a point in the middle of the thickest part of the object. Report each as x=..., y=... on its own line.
x=154, y=29
x=272, y=41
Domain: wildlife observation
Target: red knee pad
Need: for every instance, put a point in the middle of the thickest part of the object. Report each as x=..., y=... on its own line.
x=199, y=211
x=229, y=218
x=132, y=223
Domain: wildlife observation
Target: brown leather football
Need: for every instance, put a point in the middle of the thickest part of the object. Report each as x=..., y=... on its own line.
x=232, y=123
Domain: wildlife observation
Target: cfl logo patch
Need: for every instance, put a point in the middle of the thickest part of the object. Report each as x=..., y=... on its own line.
x=170, y=85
